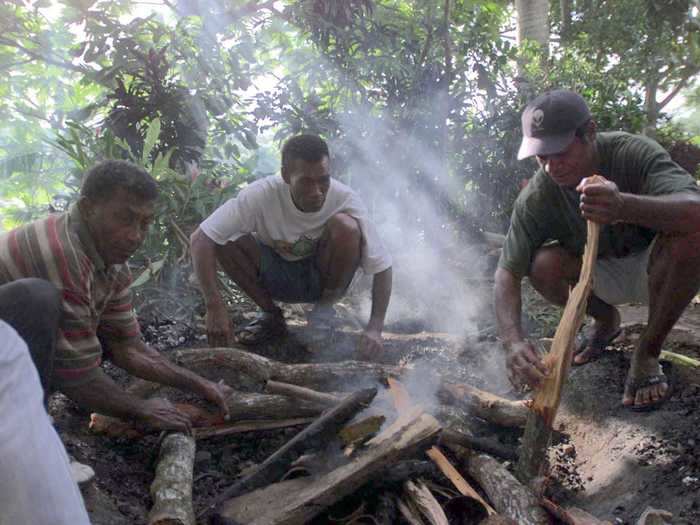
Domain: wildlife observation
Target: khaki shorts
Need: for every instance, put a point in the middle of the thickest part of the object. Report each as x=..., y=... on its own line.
x=621, y=280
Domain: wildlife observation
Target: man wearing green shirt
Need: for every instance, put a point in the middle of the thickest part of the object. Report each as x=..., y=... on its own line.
x=649, y=249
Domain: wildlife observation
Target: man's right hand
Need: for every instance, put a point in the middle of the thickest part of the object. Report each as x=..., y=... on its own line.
x=163, y=415
x=219, y=328
x=524, y=364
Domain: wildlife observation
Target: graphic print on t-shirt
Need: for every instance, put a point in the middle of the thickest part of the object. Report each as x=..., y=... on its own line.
x=303, y=247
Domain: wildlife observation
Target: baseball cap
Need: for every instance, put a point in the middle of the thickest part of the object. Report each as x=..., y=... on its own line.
x=550, y=122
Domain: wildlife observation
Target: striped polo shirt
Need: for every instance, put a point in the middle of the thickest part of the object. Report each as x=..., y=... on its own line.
x=96, y=300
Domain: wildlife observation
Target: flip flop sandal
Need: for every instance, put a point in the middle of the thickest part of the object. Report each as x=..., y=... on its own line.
x=584, y=342
x=264, y=327
x=648, y=381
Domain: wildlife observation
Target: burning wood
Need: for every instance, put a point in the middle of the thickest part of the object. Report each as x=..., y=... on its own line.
x=538, y=430
x=487, y=406
x=312, y=495
x=274, y=467
x=171, y=489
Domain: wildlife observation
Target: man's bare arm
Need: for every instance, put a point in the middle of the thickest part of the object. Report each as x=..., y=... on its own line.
x=204, y=262
x=673, y=213
x=381, y=294
x=508, y=306
x=139, y=359
x=219, y=330
x=523, y=362
x=104, y=396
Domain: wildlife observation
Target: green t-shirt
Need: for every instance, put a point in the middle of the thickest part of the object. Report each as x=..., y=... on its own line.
x=545, y=211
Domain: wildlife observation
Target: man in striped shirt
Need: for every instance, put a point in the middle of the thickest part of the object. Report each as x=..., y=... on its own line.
x=87, y=313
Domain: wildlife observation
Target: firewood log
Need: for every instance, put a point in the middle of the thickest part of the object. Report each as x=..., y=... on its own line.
x=508, y=495
x=300, y=392
x=492, y=408
x=171, y=489
x=425, y=502
x=274, y=467
x=299, y=506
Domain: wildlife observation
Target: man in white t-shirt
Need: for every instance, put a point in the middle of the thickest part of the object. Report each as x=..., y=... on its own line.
x=298, y=238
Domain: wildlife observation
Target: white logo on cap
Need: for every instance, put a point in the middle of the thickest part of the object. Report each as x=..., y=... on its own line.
x=537, y=119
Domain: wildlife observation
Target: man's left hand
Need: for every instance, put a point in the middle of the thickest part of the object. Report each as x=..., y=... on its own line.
x=601, y=200
x=218, y=393
x=370, y=344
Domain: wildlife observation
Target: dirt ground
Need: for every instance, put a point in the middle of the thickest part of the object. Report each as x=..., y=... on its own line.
x=611, y=462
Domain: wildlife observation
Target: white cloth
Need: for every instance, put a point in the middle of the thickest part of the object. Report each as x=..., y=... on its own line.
x=265, y=209
x=622, y=280
x=36, y=487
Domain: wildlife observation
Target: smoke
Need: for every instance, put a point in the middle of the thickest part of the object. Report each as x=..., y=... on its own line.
x=402, y=179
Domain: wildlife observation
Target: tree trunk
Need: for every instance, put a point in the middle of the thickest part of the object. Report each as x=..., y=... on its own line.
x=533, y=21
x=171, y=489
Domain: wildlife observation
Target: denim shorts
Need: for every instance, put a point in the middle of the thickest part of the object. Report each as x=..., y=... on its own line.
x=289, y=281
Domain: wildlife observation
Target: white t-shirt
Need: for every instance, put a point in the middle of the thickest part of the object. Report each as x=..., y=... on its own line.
x=265, y=209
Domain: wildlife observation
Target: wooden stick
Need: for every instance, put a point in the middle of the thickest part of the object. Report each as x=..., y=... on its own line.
x=300, y=392
x=478, y=444
x=403, y=404
x=171, y=489
x=464, y=488
x=240, y=427
x=488, y=406
x=544, y=408
x=571, y=515
x=274, y=467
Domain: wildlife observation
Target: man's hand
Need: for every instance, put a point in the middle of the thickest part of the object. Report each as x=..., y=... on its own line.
x=162, y=414
x=524, y=365
x=219, y=328
x=601, y=200
x=218, y=393
x=370, y=344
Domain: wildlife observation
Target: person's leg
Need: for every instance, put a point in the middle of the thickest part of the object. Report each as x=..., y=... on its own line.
x=674, y=279
x=338, y=256
x=33, y=308
x=554, y=272
x=241, y=262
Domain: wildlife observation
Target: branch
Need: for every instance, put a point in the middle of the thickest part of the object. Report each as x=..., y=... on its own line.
x=683, y=82
x=38, y=56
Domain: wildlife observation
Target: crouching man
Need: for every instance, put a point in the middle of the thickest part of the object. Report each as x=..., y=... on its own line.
x=649, y=250
x=65, y=290
x=294, y=238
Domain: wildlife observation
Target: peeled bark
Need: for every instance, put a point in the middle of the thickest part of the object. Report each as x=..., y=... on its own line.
x=425, y=502
x=171, y=489
x=545, y=404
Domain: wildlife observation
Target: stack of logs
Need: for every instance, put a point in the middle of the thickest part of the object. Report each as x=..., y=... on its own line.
x=388, y=449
